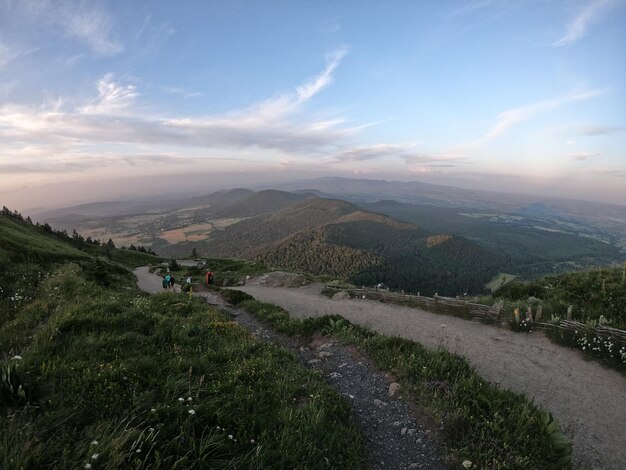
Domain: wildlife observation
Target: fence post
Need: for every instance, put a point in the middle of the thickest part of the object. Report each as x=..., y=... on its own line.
x=539, y=312
x=569, y=312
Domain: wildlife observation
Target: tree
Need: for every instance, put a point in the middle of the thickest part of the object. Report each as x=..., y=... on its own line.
x=194, y=253
x=173, y=265
x=110, y=244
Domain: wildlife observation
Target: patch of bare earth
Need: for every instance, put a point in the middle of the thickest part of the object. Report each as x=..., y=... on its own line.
x=588, y=399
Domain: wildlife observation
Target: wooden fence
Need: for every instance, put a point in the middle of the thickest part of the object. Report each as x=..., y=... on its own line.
x=436, y=304
x=486, y=313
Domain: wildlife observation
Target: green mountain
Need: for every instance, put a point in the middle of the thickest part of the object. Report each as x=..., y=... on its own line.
x=338, y=238
x=536, y=240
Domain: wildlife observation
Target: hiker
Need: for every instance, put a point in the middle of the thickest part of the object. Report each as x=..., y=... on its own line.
x=188, y=281
x=209, y=277
x=172, y=281
x=187, y=286
x=167, y=281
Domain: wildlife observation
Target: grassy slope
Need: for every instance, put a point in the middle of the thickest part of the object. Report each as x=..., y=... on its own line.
x=109, y=376
x=21, y=242
x=126, y=370
x=491, y=427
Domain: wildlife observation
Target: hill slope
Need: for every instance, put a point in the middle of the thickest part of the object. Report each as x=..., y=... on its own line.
x=333, y=237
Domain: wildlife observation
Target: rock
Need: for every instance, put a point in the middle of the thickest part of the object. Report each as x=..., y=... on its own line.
x=410, y=432
x=379, y=403
x=396, y=424
x=324, y=354
x=393, y=388
x=341, y=295
x=282, y=279
x=334, y=375
x=403, y=431
x=414, y=465
x=314, y=361
x=532, y=300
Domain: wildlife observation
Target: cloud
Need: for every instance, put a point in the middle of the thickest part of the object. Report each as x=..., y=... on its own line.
x=112, y=97
x=372, y=152
x=87, y=22
x=91, y=25
x=581, y=156
x=594, y=130
x=181, y=92
x=112, y=117
x=579, y=25
x=509, y=118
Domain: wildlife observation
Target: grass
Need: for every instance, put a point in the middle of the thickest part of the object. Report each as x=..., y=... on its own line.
x=111, y=378
x=490, y=426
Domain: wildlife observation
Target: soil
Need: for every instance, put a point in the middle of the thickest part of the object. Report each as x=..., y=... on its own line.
x=397, y=434
x=588, y=399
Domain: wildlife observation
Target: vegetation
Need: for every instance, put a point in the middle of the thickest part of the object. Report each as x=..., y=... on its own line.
x=94, y=374
x=491, y=427
x=596, y=293
x=597, y=297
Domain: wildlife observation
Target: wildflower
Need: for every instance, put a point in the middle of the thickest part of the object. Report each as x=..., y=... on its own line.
x=191, y=412
x=230, y=436
x=17, y=358
x=94, y=443
x=189, y=398
x=95, y=456
x=467, y=464
x=138, y=451
x=181, y=399
x=150, y=429
x=87, y=465
x=153, y=410
x=252, y=441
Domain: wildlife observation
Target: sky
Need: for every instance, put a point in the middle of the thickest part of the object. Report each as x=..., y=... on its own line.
x=101, y=100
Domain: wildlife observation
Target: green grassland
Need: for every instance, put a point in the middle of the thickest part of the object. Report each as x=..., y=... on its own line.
x=95, y=374
x=489, y=426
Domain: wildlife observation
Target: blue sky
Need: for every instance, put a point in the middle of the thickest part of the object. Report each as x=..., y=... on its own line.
x=523, y=96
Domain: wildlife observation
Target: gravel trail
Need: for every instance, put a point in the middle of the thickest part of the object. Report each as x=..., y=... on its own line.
x=397, y=435
x=588, y=399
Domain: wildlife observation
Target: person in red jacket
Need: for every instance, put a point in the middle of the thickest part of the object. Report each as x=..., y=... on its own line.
x=209, y=277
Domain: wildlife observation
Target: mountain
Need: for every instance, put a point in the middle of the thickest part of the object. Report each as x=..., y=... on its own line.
x=259, y=203
x=338, y=238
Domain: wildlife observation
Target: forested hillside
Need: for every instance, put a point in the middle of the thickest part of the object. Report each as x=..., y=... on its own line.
x=337, y=238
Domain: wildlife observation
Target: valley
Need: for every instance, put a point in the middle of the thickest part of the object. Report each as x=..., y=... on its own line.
x=354, y=229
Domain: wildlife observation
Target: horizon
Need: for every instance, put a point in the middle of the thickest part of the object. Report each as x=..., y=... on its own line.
x=109, y=102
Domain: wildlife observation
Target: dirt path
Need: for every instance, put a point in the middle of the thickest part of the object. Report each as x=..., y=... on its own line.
x=396, y=436
x=588, y=400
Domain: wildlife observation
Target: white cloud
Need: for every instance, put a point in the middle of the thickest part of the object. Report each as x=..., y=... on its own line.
x=87, y=22
x=581, y=156
x=579, y=25
x=112, y=97
x=509, y=118
x=91, y=25
x=112, y=118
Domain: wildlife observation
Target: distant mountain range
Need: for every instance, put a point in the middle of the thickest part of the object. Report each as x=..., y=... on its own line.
x=411, y=236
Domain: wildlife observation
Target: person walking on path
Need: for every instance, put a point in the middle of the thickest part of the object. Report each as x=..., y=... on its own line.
x=165, y=283
x=168, y=281
x=209, y=277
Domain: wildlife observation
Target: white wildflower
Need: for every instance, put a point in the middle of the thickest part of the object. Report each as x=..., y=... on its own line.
x=87, y=465
x=94, y=443
x=95, y=456
x=17, y=358
x=181, y=399
x=230, y=436
x=467, y=464
x=191, y=412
